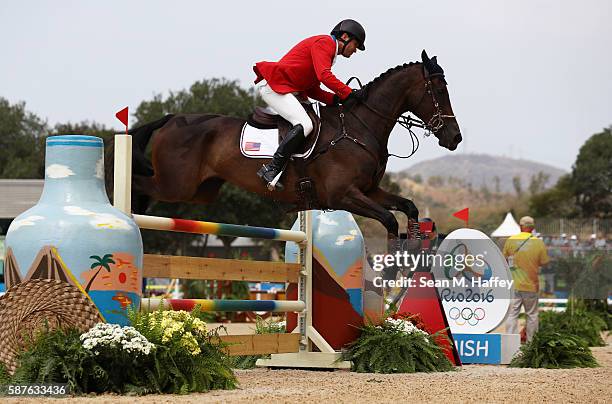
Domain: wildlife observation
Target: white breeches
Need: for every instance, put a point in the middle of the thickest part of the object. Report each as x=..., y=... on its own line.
x=287, y=106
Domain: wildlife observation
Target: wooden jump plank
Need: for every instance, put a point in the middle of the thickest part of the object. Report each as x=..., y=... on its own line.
x=261, y=344
x=170, y=266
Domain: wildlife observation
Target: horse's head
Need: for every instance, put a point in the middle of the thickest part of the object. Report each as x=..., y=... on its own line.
x=435, y=106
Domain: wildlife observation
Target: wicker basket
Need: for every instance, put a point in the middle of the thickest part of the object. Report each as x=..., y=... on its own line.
x=27, y=307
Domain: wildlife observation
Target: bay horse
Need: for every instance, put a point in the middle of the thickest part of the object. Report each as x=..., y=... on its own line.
x=193, y=155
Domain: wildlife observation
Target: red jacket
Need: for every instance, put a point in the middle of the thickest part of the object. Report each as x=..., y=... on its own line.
x=303, y=69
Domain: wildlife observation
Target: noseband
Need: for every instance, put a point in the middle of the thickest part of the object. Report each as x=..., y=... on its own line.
x=436, y=122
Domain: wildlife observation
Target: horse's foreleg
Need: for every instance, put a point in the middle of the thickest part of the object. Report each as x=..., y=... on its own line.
x=395, y=202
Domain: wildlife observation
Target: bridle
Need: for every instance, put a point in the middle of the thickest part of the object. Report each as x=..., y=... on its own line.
x=434, y=125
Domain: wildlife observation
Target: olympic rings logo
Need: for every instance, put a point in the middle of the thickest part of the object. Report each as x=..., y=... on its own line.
x=466, y=315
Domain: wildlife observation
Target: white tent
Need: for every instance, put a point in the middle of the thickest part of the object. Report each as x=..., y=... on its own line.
x=508, y=228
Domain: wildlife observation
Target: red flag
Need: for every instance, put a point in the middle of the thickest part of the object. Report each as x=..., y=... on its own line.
x=123, y=117
x=463, y=214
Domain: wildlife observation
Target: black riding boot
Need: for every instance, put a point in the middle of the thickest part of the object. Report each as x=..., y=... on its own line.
x=294, y=139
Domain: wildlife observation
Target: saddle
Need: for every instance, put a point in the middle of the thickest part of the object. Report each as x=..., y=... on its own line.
x=262, y=118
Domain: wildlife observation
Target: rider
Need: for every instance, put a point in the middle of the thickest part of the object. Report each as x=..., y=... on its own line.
x=297, y=76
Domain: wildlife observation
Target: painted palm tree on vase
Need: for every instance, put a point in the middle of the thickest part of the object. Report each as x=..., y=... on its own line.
x=101, y=263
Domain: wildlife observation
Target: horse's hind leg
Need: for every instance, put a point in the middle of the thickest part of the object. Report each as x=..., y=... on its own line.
x=208, y=190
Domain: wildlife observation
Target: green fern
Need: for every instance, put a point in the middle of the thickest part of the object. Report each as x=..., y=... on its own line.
x=576, y=320
x=384, y=349
x=554, y=350
x=58, y=357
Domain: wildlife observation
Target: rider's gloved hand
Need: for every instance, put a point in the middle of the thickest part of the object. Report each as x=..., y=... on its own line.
x=353, y=95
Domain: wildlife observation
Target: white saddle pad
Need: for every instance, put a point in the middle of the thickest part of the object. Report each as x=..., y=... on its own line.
x=258, y=143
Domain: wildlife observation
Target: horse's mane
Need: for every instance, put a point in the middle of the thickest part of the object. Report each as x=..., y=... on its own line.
x=383, y=75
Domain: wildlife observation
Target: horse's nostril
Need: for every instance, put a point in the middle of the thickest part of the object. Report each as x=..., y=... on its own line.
x=458, y=139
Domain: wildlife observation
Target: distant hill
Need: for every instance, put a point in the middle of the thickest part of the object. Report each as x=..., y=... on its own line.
x=480, y=170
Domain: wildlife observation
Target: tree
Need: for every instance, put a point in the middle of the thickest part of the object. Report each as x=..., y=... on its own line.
x=435, y=181
x=592, y=176
x=538, y=183
x=389, y=185
x=587, y=191
x=21, y=141
x=558, y=201
x=497, y=180
x=485, y=192
x=518, y=187
x=215, y=96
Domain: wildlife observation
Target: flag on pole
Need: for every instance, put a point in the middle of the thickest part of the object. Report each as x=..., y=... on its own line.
x=123, y=117
x=463, y=214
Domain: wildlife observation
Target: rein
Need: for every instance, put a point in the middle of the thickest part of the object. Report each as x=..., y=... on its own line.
x=435, y=123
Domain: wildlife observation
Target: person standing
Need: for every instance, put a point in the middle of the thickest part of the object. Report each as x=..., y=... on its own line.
x=525, y=254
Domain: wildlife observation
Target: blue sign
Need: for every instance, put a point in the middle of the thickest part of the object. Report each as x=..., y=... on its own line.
x=478, y=348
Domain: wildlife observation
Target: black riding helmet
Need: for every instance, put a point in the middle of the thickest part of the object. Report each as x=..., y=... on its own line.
x=354, y=29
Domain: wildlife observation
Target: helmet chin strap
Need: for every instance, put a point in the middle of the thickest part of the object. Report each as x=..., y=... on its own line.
x=344, y=43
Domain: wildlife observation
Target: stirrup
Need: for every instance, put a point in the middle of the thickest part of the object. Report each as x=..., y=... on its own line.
x=274, y=184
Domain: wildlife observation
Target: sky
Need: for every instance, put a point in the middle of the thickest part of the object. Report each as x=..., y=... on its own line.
x=527, y=78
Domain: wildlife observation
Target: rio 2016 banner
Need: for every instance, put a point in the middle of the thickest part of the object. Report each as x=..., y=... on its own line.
x=473, y=281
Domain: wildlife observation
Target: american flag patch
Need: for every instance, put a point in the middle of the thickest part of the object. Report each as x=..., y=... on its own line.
x=252, y=146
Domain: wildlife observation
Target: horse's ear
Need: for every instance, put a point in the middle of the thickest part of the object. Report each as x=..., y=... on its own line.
x=434, y=60
x=424, y=57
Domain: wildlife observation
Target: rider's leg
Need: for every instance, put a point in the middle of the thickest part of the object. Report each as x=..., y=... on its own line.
x=289, y=108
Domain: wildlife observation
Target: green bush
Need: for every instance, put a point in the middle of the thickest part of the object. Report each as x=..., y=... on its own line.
x=59, y=357
x=554, y=350
x=576, y=320
x=396, y=347
x=188, y=358
x=165, y=352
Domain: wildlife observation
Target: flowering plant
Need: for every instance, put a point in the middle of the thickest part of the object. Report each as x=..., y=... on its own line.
x=400, y=344
x=405, y=323
x=188, y=357
x=180, y=326
x=104, y=337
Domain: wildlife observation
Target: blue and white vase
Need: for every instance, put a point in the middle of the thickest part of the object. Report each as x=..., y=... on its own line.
x=75, y=235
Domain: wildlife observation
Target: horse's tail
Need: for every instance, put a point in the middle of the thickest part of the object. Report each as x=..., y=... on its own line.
x=141, y=137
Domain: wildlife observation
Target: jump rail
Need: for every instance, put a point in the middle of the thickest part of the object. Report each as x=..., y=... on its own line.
x=220, y=229
x=304, y=347
x=276, y=306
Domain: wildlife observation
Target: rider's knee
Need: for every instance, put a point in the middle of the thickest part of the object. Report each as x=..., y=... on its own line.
x=307, y=127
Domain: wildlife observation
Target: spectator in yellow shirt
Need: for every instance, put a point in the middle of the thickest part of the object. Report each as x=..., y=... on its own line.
x=525, y=254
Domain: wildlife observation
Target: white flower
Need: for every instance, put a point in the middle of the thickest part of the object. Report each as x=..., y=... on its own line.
x=113, y=336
